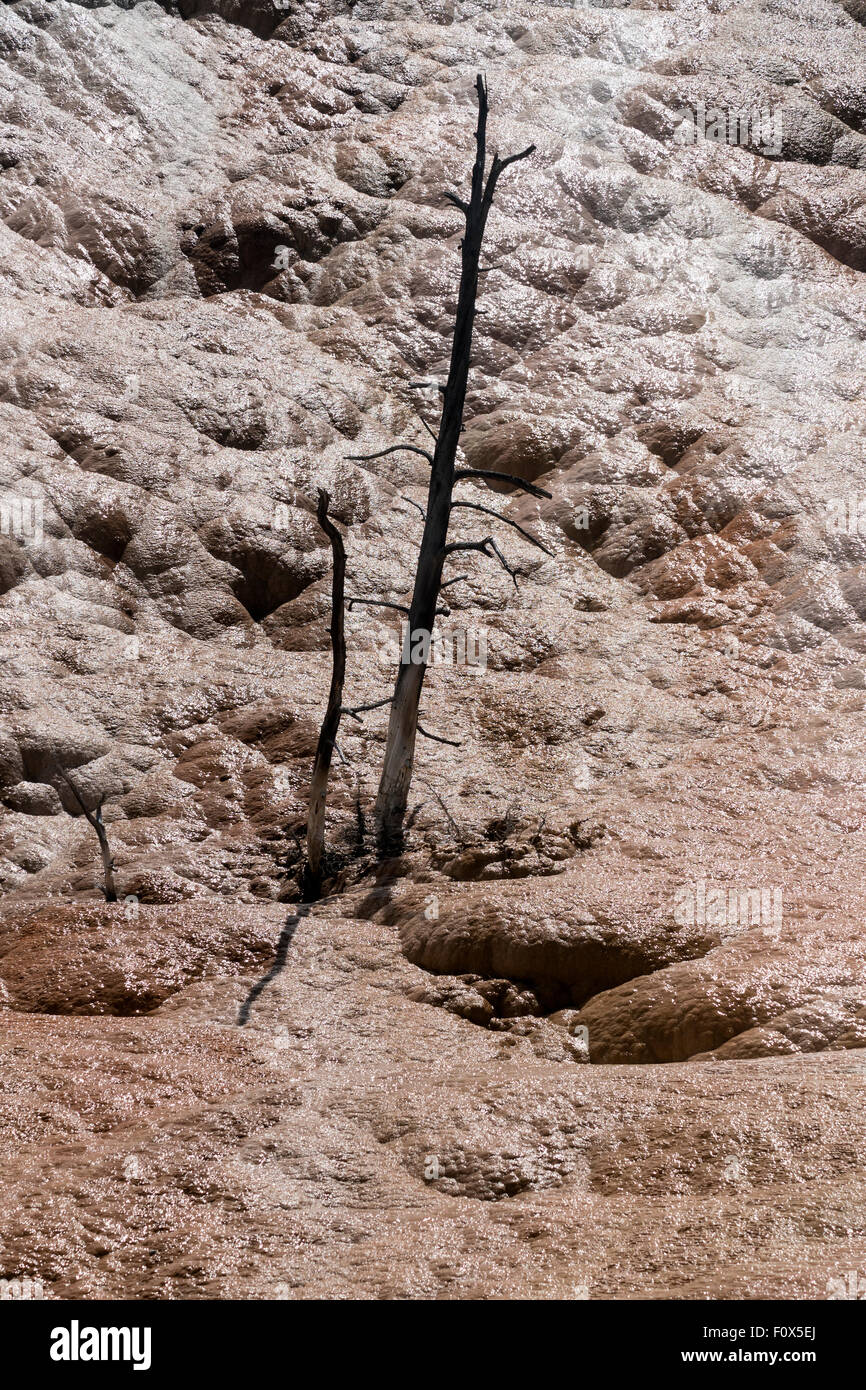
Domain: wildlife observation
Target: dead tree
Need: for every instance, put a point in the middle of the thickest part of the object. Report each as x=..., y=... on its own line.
x=312, y=879
x=95, y=819
x=435, y=547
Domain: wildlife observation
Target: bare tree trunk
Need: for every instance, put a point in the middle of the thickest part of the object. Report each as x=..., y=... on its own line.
x=107, y=860
x=402, y=729
x=312, y=883
x=94, y=818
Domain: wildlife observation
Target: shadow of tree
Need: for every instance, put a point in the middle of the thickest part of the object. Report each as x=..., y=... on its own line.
x=382, y=893
x=375, y=899
x=285, y=941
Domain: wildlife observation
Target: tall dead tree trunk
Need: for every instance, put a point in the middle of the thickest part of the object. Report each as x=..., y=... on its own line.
x=312, y=879
x=94, y=818
x=403, y=727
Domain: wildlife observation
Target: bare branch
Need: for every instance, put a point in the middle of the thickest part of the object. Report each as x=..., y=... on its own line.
x=94, y=818
x=453, y=546
x=486, y=547
x=425, y=386
x=458, y=202
x=513, y=158
x=76, y=793
x=400, y=607
x=497, y=167
x=503, y=562
x=429, y=428
x=458, y=579
x=414, y=504
x=531, y=488
x=394, y=449
x=377, y=603
x=437, y=738
x=488, y=511
x=362, y=709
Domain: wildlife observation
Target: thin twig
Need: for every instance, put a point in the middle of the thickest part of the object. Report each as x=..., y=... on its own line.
x=488, y=511
x=362, y=709
x=432, y=789
x=425, y=386
x=377, y=603
x=437, y=738
x=484, y=547
x=532, y=488
x=393, y=449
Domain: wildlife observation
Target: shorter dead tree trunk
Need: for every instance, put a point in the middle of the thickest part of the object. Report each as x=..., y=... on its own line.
x=95, y=819
x=312, y=878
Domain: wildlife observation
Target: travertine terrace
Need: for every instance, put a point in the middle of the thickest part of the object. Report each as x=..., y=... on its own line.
x=224, y=257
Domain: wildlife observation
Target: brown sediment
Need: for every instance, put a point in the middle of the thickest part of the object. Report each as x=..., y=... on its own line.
x=668, y=714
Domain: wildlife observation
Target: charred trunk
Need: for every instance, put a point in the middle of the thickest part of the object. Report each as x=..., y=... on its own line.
x=312, y=879
x=403, y=726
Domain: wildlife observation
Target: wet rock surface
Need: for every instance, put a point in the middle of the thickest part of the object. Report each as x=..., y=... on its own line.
x=351, y=1142
x=225, y=257
x=125, y=960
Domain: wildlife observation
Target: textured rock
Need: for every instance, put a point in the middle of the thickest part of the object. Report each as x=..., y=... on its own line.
x=350, y=1142
x=757, y=995
x=224, y=255
x=124, y=958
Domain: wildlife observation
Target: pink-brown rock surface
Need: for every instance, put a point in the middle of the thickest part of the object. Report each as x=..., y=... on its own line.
x=224, y=257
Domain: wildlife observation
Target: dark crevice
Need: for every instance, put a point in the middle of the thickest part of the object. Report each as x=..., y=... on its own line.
x=856, y=9
x=131, y=1005
x=669, y=442
x=266, y=582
